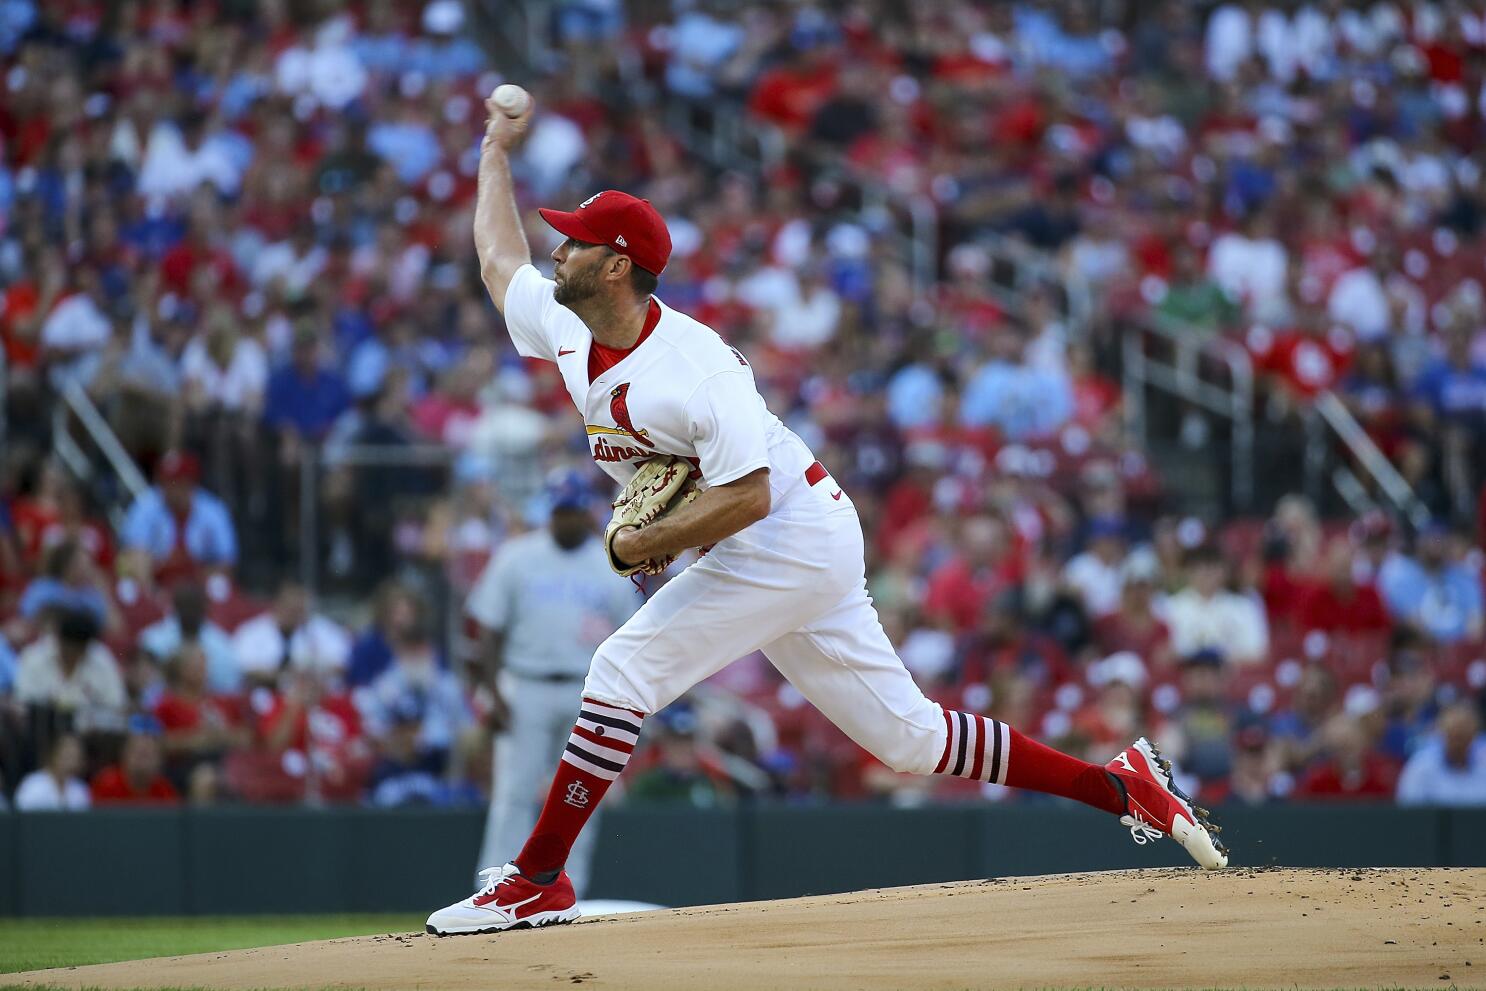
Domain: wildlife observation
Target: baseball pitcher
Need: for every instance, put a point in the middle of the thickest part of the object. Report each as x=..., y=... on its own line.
x=659, y=393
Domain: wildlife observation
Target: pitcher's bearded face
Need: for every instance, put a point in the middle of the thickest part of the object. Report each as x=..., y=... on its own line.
x=577, y=271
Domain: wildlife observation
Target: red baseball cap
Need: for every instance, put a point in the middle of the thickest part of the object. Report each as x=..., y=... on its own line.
x=628, y=224
x=178, y=466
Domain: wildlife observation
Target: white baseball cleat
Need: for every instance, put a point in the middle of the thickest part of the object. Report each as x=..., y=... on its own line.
x=1156, y=807
x=507, y=901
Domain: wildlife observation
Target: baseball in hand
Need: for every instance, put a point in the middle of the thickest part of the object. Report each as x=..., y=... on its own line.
x=511, y=100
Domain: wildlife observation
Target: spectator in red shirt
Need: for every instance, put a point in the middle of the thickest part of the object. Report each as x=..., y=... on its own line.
x=1291, y=551
x=448, y=414
x=196, y=266
x=1337, y=603
x=960, y=589
x=792, y=94
x=23, y=308
x=1303, y=359
x=311, y=735
x=38, y=513
x=911, y=497
x=1350, y=769
x=136, y=779
x=198, y=726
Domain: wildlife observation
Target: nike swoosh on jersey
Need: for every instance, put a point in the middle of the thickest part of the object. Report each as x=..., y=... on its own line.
x=836, y=495
x=565, y=351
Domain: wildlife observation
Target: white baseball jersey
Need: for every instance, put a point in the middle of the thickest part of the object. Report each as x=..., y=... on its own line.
x=683, y=391
x=791, y=585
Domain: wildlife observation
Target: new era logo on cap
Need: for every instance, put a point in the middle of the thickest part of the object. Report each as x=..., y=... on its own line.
x=628, y=224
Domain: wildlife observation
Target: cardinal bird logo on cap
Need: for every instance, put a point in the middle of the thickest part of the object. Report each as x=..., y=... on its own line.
x=619, y=410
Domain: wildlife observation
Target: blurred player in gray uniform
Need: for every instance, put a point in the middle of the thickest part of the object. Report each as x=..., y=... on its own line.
x=546, y=601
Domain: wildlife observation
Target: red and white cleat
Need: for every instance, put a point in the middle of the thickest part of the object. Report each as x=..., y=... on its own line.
x=1157, y=807
x=507, y=901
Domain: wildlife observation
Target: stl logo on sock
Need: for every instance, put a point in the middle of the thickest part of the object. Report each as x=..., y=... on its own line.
x=577, y=795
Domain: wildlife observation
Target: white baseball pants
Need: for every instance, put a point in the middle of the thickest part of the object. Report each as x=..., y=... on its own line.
x=792, y=585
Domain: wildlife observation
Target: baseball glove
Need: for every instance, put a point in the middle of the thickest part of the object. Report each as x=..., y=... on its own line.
x=660, y=485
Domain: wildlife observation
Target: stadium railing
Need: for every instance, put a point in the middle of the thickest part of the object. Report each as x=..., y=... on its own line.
x=123, y=481
x=1211, y=373
x=1330, y=424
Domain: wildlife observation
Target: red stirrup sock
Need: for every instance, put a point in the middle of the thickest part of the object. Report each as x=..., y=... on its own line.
x=986, y=749
x=600, y=746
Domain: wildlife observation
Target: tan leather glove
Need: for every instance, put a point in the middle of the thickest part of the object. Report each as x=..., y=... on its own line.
x=658, y=487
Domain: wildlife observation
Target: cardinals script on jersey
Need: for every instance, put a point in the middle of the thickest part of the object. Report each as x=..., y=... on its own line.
x=683, y=391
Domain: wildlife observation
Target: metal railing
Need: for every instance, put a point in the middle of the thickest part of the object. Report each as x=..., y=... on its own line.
x=1183, y=376
x=1017, y=268
x=520, y=30
x=725, y=139
x=731, y=139
x=316, y=460
x=77, y=406
x=1329, y=413
x=918, y=246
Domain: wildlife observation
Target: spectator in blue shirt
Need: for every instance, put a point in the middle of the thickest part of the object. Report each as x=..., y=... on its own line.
x=304, y=398
x=405, y=141
x=913, y=395
x=68, y=581
x=1433, y=591
x=394, y=611
x=7, y=667
x=182, y=528
x=187, y=624
x=1450, y=769
x=1452, y=388
x=406, y=772
x=417, y=675
x=1409, y=704
x=1020, y=401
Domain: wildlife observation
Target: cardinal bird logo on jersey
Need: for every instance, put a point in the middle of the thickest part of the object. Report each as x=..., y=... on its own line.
x=619, y=410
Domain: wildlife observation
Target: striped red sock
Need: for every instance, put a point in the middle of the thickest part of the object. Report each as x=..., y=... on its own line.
x=986, y=749
x=600, y=746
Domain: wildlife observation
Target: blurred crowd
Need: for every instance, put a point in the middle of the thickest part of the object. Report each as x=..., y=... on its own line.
x=242, y=231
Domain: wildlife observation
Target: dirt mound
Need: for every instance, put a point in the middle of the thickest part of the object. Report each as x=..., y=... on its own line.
x=1253, y=928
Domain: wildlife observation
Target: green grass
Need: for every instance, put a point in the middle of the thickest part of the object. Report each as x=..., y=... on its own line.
x=34, y=944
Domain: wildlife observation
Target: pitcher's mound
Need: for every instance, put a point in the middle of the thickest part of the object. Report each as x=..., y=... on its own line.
x=1250, y=928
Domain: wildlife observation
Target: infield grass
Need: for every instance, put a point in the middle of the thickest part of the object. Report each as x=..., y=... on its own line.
x=35, y=944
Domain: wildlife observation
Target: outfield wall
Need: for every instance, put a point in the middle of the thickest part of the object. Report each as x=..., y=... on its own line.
x=247, y=860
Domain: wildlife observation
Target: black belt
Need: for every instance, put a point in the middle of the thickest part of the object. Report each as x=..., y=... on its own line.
x=551, y=679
